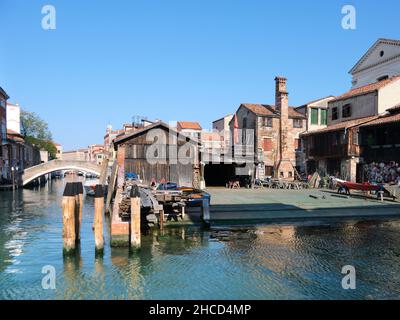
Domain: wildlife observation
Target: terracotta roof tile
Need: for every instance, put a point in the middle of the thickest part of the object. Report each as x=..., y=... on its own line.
x=9, y=131
x=189, y=125
x=384, y=120
x=269, y=110
x=14, y=136
x=366, y=89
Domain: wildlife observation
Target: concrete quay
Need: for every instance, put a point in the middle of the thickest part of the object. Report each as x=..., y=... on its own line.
x=240, y=206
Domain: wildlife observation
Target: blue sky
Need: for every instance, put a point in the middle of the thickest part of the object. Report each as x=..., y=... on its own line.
x=108, y=61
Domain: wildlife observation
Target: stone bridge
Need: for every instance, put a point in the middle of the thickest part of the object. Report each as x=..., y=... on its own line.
x=35, y=172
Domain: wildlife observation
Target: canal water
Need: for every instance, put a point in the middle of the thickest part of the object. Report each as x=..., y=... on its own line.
x=286, y=261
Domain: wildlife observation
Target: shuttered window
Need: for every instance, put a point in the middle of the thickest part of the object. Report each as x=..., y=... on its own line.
x=314, y=116
x=324, y=117
x=267, y=144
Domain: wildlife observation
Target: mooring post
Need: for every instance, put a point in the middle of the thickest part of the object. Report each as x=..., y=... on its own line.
x=205, y=211
x=135, y=217
x=381, y=195
x=161, y=218
x=78, y=210
x=98, y=218
x=68, y=218
x=183, y=212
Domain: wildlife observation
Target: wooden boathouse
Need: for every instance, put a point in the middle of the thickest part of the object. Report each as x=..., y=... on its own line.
x=158, y=153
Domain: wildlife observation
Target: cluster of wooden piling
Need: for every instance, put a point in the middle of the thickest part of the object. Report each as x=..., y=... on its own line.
x=72, y=208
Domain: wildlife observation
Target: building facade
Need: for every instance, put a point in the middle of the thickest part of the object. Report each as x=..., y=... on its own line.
x=59, y=151
x=76, y=155
x=189, y=128
x=3, y=131
x=274, y=131
x=222, y=126
x=345, y=145
x=381, y=61
x=158, y=153
x=14, y=117
x=316, y=113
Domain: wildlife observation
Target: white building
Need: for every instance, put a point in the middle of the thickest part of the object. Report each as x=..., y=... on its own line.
x=222, y=125
x=44, y=156
x=59, y=151
x=380, y=62
x=13, y=117
x=316, y=112
x=189, y=128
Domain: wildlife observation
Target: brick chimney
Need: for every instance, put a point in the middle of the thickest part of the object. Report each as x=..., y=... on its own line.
x=281, y=96
x=286, y=153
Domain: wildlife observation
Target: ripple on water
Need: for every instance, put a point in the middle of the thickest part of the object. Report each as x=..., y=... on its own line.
x=295, y=261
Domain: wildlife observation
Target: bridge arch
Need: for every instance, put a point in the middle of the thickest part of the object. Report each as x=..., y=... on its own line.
x=35, y=172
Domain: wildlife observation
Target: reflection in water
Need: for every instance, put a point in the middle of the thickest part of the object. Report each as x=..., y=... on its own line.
x=296, y=261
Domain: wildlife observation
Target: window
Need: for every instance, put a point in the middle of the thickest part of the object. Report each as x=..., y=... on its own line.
x=297, y=123
x=297, y=144
x=244, y=138
x=314, y=116
x=382, y=78
x=269, y=171
x=324, y=117
x=334, y=113
x=267, y=144
x=268, y=122
x=346, y=111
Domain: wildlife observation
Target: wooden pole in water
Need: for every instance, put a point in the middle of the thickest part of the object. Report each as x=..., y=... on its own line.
x=161, y=219
x=98, y=218
x=78, y=210
x=68, y=218
x=205, y=211
x=135, y=217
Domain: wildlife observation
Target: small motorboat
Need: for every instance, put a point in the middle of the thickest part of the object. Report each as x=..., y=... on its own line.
x=91, y=186
x=194, y=197
x=346, y=186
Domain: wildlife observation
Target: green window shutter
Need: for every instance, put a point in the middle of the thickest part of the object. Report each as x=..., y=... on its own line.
x=314, y=116
x=324, y=117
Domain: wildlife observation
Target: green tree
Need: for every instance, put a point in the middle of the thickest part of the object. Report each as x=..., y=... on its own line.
x=34, y=126
x=36, y=132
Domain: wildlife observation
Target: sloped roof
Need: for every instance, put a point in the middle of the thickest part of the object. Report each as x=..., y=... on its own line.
x=371, y=49
x=367, y=88
x=394, y=109
x=341, y=125
x=314, y=101
x=129, y=135
x=270, y=110
x=189, y=125
x=382, y=120
x=14, y=136
x=2, y=92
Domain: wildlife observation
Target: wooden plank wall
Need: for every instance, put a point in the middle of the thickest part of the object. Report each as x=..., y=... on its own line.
x=141, y=158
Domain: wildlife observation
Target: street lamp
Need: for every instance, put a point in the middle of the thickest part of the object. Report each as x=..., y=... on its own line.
x=12, y=177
